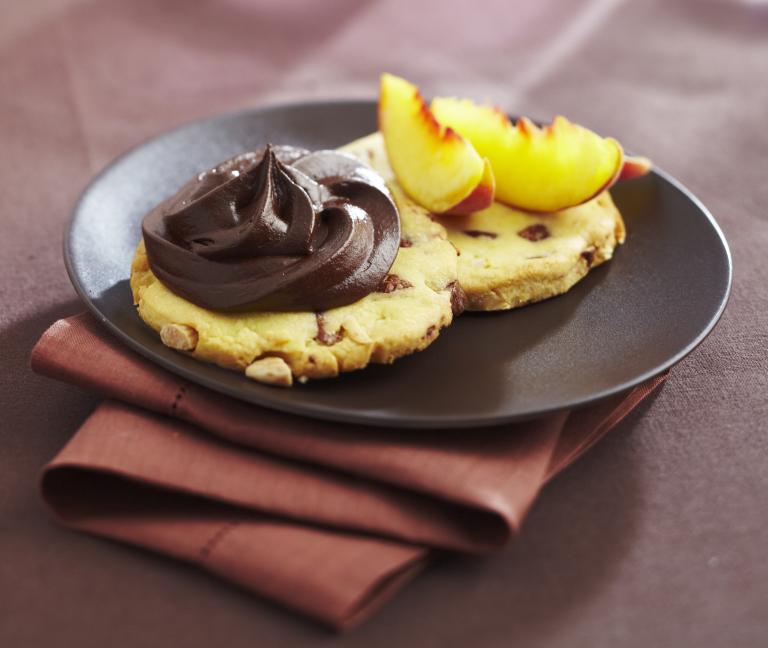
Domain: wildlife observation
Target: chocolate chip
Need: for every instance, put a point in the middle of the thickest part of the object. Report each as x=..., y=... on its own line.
x=477, y=233
x=324, y=336
x=458, y=297
x=430, y=332
x=535, y=232
x=392, y=282
x=589, y=256
x=405, y=243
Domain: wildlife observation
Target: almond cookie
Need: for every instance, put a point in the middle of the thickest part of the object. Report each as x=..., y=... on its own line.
x=405, y=313
x=508, y=258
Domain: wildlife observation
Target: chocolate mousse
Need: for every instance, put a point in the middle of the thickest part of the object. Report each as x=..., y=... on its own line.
x=281, y=228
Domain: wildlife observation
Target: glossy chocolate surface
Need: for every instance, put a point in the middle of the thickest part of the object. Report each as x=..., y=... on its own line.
x=277, y=229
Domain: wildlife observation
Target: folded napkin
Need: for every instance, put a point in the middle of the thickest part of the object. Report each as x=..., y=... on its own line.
x=328, y=519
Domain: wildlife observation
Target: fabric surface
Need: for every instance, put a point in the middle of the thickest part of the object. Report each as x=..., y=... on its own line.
x=656, y=537
x=325, y=518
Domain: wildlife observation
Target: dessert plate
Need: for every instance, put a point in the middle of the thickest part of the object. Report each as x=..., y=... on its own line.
x=627, y=321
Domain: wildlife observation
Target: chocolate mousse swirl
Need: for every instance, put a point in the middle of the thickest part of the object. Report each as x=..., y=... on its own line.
x=277, y=229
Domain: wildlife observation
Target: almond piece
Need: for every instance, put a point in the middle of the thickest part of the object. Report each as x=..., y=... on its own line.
x=270, y=370
x=356, y=332
x=179, y=336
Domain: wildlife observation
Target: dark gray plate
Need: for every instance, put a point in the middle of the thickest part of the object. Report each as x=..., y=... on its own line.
x=627, y=321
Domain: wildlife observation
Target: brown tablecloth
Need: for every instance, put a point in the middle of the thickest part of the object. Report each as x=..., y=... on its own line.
x=657, y=537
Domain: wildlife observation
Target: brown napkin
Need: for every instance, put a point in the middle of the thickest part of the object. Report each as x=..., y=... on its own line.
x=327, y=519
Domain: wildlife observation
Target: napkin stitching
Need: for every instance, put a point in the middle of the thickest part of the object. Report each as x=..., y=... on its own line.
x=180, y=392
x=216, y=538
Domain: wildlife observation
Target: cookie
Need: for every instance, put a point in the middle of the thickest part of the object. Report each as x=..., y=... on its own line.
x=508, y=258
x=414, y=302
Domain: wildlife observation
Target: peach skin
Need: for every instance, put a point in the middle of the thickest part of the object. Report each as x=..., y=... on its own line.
x=437, y=167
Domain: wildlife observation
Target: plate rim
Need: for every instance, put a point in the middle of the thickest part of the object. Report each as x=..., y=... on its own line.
x=326, y=413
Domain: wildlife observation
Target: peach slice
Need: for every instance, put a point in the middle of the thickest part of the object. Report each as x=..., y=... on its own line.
x=436, y=166
x=482, y=195
x=536, y=169
x=635, y=166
